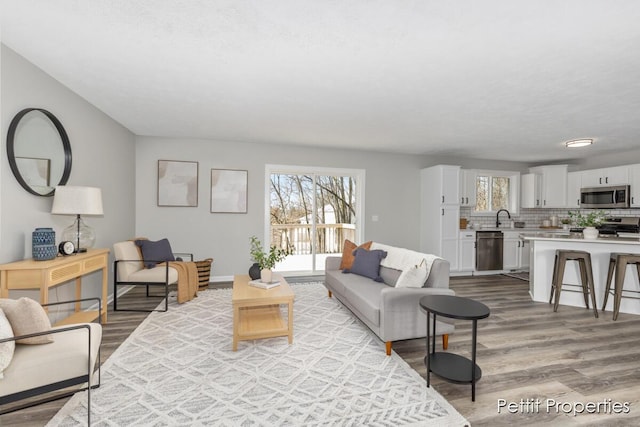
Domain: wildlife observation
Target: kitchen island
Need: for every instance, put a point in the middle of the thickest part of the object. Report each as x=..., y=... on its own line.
x=542, y=255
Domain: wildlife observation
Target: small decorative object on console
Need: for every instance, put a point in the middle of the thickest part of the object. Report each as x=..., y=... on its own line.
x=66, y=248
x=44, y=244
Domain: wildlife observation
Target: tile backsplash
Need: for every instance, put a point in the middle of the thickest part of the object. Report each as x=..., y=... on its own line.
x=534, y=217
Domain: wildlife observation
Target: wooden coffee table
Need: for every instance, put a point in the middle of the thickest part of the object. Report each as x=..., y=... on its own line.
x=256, y=312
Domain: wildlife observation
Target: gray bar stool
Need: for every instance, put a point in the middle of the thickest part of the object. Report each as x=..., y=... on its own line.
x=586, y=277
x=619, y=262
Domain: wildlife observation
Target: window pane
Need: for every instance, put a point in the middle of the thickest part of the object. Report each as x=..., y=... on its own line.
x=482, y=193
x=499, y=193
x=314, y=235
x=494, y=191
x=336, y=210
x=291, y=212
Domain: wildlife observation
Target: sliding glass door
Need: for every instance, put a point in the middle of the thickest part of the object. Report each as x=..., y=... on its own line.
x=313, y=211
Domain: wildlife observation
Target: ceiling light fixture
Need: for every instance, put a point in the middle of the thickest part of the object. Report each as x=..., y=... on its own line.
x=579, y=143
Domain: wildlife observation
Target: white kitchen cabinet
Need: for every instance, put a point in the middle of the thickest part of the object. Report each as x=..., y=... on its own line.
x=515, y=251
x=440, y=212
x=468, y=187
x=511, y=243
x=467, y=258
x=524, y=253
x=618, y=175
x=449, y=185
x=531, y=190
x=634, y=181
x=446, y=226
x=574, y=184
x=592, y=178
x=553, y=185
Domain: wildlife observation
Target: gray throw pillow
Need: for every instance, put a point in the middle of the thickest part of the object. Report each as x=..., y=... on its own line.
x=155, y=252
x=367, y=263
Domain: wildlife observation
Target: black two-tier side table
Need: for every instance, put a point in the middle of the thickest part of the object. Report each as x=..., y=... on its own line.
x=453, y=367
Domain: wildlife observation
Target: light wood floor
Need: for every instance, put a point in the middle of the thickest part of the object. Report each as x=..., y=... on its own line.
x=525, y=350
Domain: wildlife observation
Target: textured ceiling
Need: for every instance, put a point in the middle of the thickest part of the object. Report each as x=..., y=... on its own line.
x=493, y=79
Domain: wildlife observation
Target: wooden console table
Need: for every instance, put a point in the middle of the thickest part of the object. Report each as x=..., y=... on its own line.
x=30, y=274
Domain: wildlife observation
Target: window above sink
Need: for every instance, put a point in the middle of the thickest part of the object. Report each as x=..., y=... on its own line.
x=496, y=190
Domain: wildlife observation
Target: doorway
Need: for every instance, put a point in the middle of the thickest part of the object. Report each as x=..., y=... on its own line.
x=312, y=210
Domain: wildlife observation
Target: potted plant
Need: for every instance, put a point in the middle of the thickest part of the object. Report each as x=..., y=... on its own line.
x=589, y=222
x=266, y=261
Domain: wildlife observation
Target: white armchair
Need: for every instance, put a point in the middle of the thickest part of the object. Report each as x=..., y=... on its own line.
x=54, y=370
x=130, y=271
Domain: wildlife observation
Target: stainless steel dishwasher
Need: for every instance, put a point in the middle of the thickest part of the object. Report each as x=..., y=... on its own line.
x=489, y=246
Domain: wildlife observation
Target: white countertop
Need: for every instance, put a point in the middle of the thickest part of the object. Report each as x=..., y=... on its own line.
x=520, y=230
x=580, y=237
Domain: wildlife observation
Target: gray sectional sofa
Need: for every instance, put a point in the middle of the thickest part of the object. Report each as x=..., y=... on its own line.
x=392, y=313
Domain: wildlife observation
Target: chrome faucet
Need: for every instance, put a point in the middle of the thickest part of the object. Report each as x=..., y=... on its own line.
x=498, y=214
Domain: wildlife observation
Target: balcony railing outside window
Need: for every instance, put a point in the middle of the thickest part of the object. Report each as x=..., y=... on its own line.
x=328, y=239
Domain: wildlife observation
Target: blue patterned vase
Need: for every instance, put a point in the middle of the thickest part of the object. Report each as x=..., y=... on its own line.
x=43, y=242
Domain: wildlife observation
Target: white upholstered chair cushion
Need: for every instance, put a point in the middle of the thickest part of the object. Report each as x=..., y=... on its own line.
x=127, y=251
x=154, y=275
x=135, y=271
x=66, y=357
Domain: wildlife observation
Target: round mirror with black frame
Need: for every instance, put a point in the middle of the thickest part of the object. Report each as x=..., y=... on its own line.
x=39, y=151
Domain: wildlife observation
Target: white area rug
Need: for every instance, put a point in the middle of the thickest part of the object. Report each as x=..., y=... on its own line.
x=177, y=369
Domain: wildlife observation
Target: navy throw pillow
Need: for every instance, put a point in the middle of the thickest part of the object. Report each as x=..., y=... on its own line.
x=367, y=263
x=155, y=252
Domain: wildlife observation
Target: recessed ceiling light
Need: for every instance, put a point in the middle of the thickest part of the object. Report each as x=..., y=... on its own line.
x=579, y=143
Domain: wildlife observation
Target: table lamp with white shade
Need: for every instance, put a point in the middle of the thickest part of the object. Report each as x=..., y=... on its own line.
x=73, y=200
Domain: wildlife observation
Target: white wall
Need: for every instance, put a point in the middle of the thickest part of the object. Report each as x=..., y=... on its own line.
x=476, y=163
x=609, y=160
x=2, y=133
x=103, y=156
x=391, y=193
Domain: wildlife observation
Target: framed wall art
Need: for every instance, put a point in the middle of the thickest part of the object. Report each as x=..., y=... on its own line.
x=229, y=191
x=177, y=183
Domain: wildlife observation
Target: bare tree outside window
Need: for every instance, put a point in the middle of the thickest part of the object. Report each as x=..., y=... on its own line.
x=482, y=193
x=499, y=193
x=293, y=217
x=492, y=193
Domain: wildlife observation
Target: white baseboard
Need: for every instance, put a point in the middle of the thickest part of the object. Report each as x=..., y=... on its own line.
x=110, y=298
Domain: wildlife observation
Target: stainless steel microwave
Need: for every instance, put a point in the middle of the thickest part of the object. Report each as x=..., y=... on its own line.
x=615, y=197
